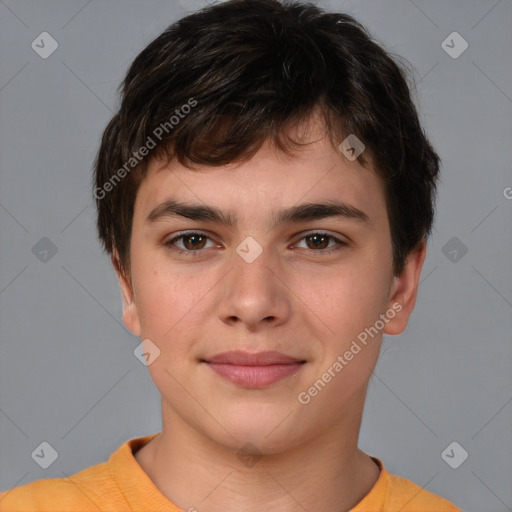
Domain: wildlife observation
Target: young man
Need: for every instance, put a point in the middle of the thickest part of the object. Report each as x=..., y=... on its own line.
x=265, y=193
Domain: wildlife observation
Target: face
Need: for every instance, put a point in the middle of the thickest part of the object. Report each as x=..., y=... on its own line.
x=306, y=287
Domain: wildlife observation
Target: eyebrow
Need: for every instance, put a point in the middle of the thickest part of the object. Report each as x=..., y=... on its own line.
x=294, y=214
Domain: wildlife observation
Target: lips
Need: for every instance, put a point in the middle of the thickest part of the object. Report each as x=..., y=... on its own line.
x=254, y=371
x=239, y=357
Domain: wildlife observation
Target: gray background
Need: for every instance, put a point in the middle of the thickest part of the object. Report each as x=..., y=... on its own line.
x=68, y=374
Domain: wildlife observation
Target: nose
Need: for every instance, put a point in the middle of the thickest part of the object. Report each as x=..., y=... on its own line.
x=255, y=292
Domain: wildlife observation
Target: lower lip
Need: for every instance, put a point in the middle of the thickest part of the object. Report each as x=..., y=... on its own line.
x=254, y=377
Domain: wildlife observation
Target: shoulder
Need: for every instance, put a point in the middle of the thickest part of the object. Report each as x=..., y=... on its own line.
x=86, y=489
x=393, y=493
x=410, y=496
x=403, y=494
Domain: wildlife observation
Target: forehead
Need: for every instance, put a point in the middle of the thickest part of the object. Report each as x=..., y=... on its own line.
x=268, y=182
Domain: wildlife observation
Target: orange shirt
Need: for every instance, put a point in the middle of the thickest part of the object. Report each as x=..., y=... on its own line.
x=120, y=484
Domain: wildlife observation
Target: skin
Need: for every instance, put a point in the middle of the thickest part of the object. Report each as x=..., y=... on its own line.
x=292, y=299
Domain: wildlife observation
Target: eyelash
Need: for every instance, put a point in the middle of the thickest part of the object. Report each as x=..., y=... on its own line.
x=189, y=253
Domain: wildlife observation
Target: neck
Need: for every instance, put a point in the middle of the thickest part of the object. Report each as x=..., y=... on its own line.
x=193, y=471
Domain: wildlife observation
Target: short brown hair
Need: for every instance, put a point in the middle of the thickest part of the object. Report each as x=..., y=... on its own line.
x=247, y=70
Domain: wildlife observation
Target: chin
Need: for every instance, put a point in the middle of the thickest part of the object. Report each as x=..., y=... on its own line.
x=255, y=443
x=262, y=433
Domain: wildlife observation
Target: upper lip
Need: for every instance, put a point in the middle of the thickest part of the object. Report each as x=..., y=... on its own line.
x=239, y=357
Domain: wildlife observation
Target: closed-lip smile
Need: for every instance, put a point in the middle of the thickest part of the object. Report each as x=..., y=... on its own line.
x=253, y=370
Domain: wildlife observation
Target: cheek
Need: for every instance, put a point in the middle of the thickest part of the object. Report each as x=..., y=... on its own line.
x=347, y=300
x=170, y=303
x=349, y=304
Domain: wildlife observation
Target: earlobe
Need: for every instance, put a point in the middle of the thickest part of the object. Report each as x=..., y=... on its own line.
x=130, y=313
x=404, y=290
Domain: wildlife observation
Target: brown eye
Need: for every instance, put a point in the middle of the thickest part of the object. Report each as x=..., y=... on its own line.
x=319, y=243
x=192, y=244
x=194, y=241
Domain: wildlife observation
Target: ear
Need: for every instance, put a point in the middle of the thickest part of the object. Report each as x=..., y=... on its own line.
x=130, y=313
x=404, y=290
